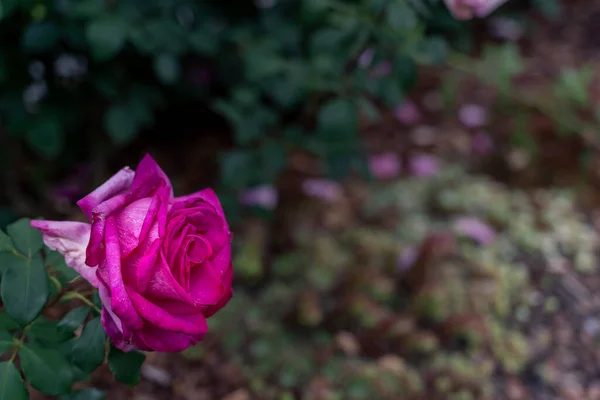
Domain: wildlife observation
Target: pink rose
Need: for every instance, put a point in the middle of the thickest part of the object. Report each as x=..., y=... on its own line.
x=162, y=264
x=467, y=9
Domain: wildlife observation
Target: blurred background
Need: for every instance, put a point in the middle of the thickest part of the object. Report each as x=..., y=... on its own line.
x=414, y=198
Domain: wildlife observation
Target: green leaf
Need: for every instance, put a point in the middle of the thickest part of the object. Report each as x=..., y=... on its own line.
x=337, y=120
x=5, y=243
x=55, y=262
x=88, y=351
x=405, y=71
x=46, y=369
x=40, y=37
x=85, y=394
x=74, y=318
x=400, y=16
x=433, y=50
x=48, y=332
x=7, y=323
x=6, y=341
x=47, y=136
x=126, y=366
x=11, y=384
x=106, y=37
x=27, y=239
x=24, y=288
x=121, y=124
x=550, y=8
x=167, y=68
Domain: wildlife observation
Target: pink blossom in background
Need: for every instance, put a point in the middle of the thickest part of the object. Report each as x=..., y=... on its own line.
x=408, y=113
x=407, y=258
x=322, y=189
x=473, y=115
x=424, y=165
x=162, y=264
x=385, y=166
x=264, y=196
x=468, y=9
x=506, y=28
x=475, y=229
x=381, y=69
x=366, y=57
x=482, y=143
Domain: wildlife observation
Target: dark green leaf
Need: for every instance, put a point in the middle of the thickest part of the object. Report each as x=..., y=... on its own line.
x=434, y=50
x=56, y=263
x=46, y=369
x=24, y=288
x=6, y=341
x=121, y=124
x=5, y=243
x=46, y=136
x=26, y=239
x=11, y=384
x=400, y=16
x=337, y=120
x=126, y=366
x=405, y=71
x=40, y=37
x=74, y=318
x=85, y=394
x=48, y=332
x=106, y=37
x=167, y=68
x=235, y=168
x=7, y=323
x=88, y=351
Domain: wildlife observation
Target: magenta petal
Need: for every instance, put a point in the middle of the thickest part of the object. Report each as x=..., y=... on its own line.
x=129, y=224
x=70, y=239
x=120, y=301
x=94, y=252
x=191, y=324
x=209, y=311
x=112, y=324
x=117, y=184
x=148, y=177
x=147, y=265
x=206, y=285
x=209, y=196
x=163, y=284
x=222, y=260
x=162, y=340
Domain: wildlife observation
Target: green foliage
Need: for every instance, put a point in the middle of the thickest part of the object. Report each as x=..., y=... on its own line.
x=126, y=366
x=104, y=70
x=11, y=384
x=88, y=350
x=53, y=354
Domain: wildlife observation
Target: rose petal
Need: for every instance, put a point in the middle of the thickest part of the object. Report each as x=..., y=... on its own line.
x=94, y=252
x=163, y=284
x=69, y=239
x=120, y=302
x=162, y=340
x=117, y=184
x=207, y=195
x=209, y=311
x=206, y=286
x=148, y=179
x=112, y=324
x=191, y=324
